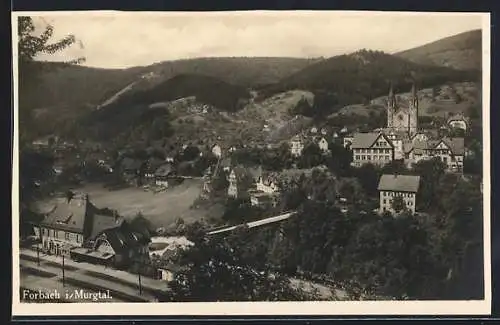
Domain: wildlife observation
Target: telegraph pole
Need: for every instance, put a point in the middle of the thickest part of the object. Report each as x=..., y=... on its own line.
x=63, y=270
x=140, y=285
x=38, y=254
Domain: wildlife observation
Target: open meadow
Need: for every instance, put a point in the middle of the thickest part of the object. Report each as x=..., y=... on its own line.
x=161, y=209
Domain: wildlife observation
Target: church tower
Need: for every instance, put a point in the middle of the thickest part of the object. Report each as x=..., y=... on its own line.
x=413, y=112
x=391, y=107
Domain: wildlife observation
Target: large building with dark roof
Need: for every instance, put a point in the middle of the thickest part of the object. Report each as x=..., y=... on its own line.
x=404, y=186
x=375, y=148
x=73, y=226
x=450, y=151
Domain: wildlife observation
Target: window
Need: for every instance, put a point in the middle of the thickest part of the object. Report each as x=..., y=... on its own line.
x=357, y=157
x=368, y=157
x=363, y=157
x=385, y=201
x=66, y=235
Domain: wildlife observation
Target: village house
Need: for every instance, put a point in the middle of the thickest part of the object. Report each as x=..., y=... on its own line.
x=162, y=252
x=374, y=148
x=225, y=164
x=261, y=199
x=266, y=183
x=150, y=169
x=131, y=170
x=322, y=144
x=242, y=181
x=76, y=228
x=421, y=136
x=45, y=142
x=217, y=150
x=239, y=182
x=450, y=151
x=347, y=141
x=296, y=146
x=116, y=246
x=398, y=139
x=162, y=174
x=458, y=121
x=266, y=189
x=404, y=186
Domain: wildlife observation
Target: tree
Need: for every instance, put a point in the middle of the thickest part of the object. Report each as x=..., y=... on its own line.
x=368, y=176
x=430, y=172
x=312, y=156
x=395, y=167
x=474, y=111
x=142, y=225
x=215, y=273
x=190, y=153
x=340, y=160
x=398, y=204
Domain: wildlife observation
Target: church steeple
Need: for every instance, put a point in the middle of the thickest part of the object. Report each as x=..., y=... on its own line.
x=392, y=97
x=391, y=107
x=413, y=111
x=414, y=96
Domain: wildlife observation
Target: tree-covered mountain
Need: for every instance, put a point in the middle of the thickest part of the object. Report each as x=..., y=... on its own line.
x=208, y=90
x=134, y=112
x=361, y=76
x=70, y=85
x=462, y=52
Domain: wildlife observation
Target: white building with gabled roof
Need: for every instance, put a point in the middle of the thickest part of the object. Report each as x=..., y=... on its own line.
x=391, y=186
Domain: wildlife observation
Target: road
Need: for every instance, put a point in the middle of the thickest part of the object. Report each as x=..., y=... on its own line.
x=48, y=276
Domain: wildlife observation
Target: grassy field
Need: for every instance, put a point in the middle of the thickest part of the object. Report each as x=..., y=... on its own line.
x=162, y=208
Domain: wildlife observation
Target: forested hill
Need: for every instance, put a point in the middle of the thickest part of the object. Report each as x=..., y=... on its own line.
x=133, y=112
x=208, y=90
x=364, y=75
x=462, y=52
x=64, y=85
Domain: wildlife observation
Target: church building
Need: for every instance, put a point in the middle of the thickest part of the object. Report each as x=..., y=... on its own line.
x=403, y=118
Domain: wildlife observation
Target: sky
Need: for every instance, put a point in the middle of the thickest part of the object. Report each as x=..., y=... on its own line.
x=122, y=40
